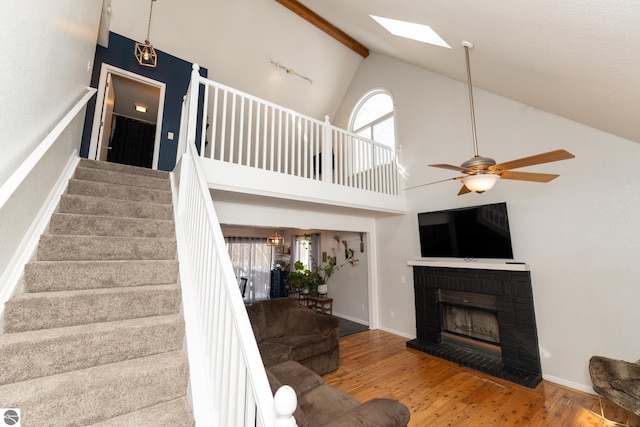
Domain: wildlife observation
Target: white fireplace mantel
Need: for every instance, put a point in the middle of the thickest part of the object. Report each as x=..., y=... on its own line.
x=482, y=265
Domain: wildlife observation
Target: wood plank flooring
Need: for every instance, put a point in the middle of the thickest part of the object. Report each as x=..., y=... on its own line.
x=440, y=393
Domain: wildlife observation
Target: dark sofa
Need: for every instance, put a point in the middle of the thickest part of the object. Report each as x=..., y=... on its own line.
x=321, y=404
x=285, y=330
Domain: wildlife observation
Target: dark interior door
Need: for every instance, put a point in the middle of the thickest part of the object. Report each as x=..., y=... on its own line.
x=132, y=142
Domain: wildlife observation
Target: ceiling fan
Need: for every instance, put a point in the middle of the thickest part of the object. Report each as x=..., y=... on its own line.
x=481, y=173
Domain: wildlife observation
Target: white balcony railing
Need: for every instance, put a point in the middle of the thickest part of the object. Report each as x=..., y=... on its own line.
x=238, y=128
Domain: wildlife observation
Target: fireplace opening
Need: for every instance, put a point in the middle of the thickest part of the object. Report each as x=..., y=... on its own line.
x=470, y=320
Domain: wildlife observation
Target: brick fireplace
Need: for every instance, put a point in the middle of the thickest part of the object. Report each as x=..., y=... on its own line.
x=481, y=318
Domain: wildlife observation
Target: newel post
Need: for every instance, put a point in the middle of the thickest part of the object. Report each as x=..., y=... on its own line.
x=194, y=87
x=284, y=403
x=327, y=152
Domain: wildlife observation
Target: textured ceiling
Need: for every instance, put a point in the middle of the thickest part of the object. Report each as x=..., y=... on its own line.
x=573, y=58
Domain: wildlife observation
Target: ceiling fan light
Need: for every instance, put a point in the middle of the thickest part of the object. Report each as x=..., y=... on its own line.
x=480, y=182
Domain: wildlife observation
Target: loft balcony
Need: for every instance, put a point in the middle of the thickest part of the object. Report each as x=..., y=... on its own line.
x=254, y=148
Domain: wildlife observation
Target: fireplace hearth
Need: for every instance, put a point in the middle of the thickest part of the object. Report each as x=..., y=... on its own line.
x=479, y=318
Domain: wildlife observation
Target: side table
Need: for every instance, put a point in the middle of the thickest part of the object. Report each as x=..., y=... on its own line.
x=321, y=304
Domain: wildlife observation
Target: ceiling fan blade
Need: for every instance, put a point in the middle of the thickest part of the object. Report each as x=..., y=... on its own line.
x=451, y=167
x=551, y=156
x=435, y=182
x=463, y=190
x=528, y=176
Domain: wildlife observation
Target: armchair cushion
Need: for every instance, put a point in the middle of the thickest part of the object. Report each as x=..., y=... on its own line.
x=375, y=412
x=325, y=403
x=291, y=372
x=273, y=353
x=305, y=346
x=284, y=330
x=300, y=321
x=326, y=406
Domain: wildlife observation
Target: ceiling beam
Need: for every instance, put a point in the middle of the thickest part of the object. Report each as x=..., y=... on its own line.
x=304, y=12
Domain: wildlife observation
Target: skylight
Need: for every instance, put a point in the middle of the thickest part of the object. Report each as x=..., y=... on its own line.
x=410, y=30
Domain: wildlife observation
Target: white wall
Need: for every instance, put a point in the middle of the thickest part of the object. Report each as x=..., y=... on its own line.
x=236, y=40
x=577, y=233
x=47, y=53
x=348, y=285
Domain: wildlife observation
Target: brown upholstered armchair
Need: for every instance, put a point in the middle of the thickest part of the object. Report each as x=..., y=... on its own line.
x=285, y=330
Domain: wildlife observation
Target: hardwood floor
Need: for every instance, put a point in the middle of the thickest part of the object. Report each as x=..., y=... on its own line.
x=440, y=393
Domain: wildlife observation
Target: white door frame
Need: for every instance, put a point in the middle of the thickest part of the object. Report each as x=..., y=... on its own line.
x=105, y=70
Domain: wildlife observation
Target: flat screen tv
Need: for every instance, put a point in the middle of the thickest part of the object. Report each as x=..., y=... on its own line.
x=471, y=232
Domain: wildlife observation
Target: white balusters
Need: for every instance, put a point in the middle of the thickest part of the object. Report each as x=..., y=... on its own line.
x=252, y=132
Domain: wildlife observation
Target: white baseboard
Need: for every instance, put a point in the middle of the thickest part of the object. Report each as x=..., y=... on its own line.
x=569, y=384
x=11, y=279
x=351, y=318
x=393, y=331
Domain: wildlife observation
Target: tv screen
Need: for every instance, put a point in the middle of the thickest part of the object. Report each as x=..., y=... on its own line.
x=471, y=232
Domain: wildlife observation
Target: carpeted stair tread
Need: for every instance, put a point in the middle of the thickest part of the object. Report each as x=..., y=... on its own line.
x=54, y=351
x=53, y=276
x=114, y=177
x=95, y=225
x=118, y=191
x=97, y=394
x=71, y=203
x=55, y=247
x=118, y=167
x=44, y=310
x=96, y=335
x=175, y=413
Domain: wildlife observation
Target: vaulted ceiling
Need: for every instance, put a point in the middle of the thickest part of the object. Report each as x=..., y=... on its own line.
x=573, y=58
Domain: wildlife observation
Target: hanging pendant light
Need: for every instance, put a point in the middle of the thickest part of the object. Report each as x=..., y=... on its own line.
x=275, y=240
x=145, y=53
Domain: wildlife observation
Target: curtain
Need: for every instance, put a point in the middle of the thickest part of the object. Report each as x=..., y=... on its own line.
x=132, y=142
x=315, y=250
x=306, y=249
x=251, y=258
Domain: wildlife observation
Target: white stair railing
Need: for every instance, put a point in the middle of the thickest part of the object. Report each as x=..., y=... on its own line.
x=238, y=128
x=229, y=386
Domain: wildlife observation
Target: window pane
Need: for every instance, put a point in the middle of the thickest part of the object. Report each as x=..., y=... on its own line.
x=373, y=108
x=384, y=132
x=304, y=252
x=365, y=133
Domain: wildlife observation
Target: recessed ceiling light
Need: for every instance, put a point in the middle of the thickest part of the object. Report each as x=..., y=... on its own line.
x=410, y=30
x=141, y=108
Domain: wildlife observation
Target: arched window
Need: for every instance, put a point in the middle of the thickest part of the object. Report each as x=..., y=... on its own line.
x=373, y=118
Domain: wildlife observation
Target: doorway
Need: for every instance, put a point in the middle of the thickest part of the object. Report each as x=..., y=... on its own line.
x=127, y=124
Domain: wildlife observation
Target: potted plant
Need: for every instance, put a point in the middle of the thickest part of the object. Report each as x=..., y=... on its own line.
x=314, y=281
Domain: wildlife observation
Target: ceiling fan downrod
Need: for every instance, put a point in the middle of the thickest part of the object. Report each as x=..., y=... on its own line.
x=477, y=162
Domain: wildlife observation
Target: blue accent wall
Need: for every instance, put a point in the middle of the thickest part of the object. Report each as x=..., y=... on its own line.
x=170, y=70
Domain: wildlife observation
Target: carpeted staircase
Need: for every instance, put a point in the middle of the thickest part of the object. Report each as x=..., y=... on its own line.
x=96, y=337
